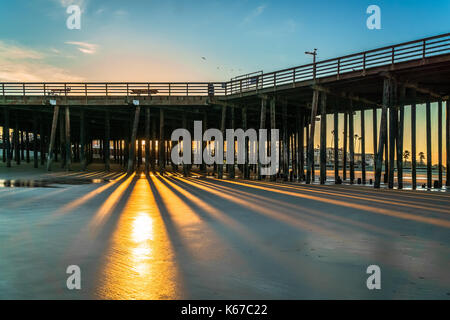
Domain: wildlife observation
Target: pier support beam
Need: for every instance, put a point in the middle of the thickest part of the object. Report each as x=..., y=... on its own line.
x=400, y=124
x=82, y=140
x=27, y=146
x=363, y=147
x=301, y=147
x=153, y=152
x=413, y=140
x=35, y=145
x=428, y=121
x=147, y=140
x=16, y=139
x=7, y=139
x=222, y=129
x=351, y=143
x=344, y=151
x=447, y=141
x=374, y=136
x=22, y=147
x=62, y=140
x=52, y=137
x=392, y=139
x=246, y=170
x=440, y=143
x=68, y=141
x=132, y=147
x=383, y=131
x=107, y=144
x=262, y=125
x=139, y=153
x=336, y=144
x=184, y=126
x=161, y=144
x=310, y=165
x=273, y=125
x=231, y=167
x=203, y=166
x=323, y=138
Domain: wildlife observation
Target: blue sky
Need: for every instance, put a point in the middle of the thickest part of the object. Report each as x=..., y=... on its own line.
x=166, y=40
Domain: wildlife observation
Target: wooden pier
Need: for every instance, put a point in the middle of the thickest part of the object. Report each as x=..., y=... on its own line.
x=51, y=121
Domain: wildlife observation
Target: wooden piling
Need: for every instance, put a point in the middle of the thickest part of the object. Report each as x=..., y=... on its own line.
x=344, y=151
x=203, y=167
x=222, y=129
x=363, y=147
x=246, y=170
x=428, y=121
x=399, y=141
x=16, y=139
x=22, y=147
x=383, y=131
x=27, y=146
x=52, y=137
x=351, y=143
x=323, y=138
x=42, y=139
x=301, y=146
x=35, y=135
x=440, y=142
x=413, y=139
x=107, y=144
x=83, y=140
x=231, y=167
x=3, y=143
x=374, y=136
x=184, y=126
x=153, y=151
x=147, y=140
x=283, y=144
x=132, y=151
x=447, y=141
x=262, y=125
x=7, y=138
x=161, y=144
x=139, y=153
x=310, y=164
x=68, y=141
x=392, y=139
x=386, y=147
x=336, y=144
x=62, y=140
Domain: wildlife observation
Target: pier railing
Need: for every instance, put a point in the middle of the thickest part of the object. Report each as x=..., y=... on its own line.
x=132, y=89
x=407, y=51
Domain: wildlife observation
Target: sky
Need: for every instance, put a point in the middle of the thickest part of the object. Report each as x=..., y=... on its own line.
x=178, y=40
x=197, y=40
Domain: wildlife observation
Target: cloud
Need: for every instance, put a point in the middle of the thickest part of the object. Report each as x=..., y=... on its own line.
x=22, y=64
x=255, y=13
x=66, y=3
x=120, y=12
x=87, y=48
x=11, y=50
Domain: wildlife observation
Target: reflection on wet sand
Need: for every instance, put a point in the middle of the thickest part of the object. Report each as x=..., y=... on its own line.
x=170, y=237
x=139, y=263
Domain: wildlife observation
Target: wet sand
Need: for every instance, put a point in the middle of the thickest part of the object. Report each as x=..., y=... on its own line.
x=169, y=237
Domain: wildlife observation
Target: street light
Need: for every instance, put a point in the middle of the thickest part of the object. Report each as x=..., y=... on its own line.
x=314, y=54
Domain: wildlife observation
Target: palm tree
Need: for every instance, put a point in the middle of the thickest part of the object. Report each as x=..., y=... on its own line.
x=421, y=157
x=406, y=155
